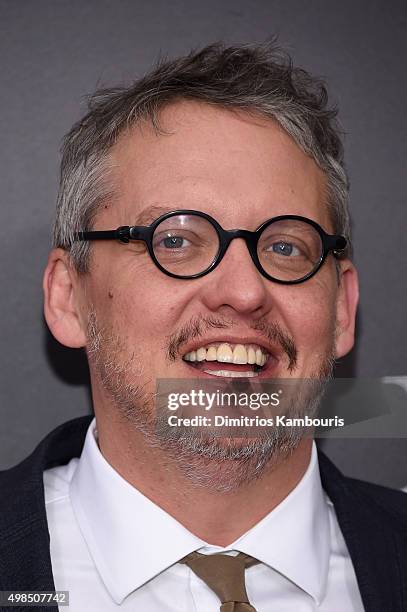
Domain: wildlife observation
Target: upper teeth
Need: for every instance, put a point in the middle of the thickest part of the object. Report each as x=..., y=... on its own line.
x=226, y=353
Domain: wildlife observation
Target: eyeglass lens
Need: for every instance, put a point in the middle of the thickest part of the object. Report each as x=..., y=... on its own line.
x=186, y=245
x=289, y=249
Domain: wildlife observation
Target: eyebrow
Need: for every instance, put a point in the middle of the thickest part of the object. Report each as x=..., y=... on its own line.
x=151, y=213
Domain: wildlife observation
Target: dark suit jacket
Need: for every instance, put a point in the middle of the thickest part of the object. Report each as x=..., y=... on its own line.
x=373, y=520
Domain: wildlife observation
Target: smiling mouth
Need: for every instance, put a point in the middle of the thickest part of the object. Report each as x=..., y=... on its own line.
x=229, y=360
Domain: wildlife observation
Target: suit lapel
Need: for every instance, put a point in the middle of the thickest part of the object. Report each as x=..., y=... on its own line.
x=25, y=562
x=376, y=541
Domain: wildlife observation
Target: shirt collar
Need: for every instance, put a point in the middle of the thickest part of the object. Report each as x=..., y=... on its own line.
x=294, y=538
x=121, y=527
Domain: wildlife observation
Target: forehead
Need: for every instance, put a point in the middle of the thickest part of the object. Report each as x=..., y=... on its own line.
x=239, y=168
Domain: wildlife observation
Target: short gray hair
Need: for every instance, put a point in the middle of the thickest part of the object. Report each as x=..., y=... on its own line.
x=258, y=79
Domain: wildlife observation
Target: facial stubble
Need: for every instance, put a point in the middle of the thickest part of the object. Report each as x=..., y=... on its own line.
x=216, y=464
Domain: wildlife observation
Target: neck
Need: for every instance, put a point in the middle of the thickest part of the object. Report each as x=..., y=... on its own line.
x=218, y=518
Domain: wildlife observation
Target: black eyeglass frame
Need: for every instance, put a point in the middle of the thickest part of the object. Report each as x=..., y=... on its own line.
x=124, y=234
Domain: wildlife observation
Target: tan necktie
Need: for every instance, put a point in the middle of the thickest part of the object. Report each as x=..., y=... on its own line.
x=225, y=576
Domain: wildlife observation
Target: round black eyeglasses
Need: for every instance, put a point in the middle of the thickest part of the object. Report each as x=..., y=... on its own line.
x=288, y=249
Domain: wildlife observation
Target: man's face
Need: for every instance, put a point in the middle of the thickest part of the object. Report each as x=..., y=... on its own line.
x=241, y=171
x=141, y=322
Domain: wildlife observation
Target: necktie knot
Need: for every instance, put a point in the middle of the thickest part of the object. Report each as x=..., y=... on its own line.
x=233, y=606
x=225, y=575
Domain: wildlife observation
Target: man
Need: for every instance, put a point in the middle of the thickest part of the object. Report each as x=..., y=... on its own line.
x=138, y=516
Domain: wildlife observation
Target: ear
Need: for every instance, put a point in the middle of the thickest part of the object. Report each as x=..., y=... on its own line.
x=346, y=306
x=61, y=300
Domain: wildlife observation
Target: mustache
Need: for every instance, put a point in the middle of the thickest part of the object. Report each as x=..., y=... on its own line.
x=199, y=325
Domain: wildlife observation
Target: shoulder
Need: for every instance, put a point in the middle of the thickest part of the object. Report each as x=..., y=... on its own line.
x=351, y=494
x=22, y=486
x=391, y=501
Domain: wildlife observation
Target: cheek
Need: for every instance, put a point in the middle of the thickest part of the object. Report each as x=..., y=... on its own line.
x=146, y=315
x=310, y=317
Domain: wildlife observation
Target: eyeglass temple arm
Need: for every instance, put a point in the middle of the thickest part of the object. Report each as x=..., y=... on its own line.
x=336, y=243
x=121, y=233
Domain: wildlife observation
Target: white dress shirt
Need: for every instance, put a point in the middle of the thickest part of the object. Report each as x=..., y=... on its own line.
x=112, y=547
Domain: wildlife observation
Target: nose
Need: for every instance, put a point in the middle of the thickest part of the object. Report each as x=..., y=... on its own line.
x=236, y=286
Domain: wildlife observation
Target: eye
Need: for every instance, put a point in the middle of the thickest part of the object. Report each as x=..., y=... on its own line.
x=285, y=248
x=173, y=242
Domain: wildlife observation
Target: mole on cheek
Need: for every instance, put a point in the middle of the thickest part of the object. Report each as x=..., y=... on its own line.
x=110, y=294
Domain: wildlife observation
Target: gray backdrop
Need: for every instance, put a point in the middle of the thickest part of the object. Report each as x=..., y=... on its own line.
x=53, y=53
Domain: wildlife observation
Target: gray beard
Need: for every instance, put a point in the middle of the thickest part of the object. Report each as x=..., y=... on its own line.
x=220, y=465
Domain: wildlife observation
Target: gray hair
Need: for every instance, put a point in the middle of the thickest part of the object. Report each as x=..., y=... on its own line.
x=258, y=79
